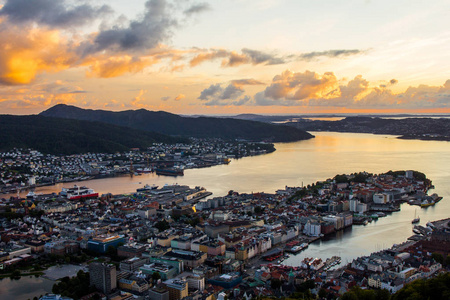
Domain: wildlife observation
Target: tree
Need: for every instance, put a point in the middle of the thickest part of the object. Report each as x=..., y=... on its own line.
x=447, y=261
x=437, y=257
x=162, y=225
x=156, y=276
x=275, y=283
x=322, y=293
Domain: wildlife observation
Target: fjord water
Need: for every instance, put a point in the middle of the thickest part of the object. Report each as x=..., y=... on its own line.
x=305, y=162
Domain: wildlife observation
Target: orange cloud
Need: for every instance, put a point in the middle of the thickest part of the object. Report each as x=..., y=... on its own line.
x=298, y=86
x=137, y=101
x=25, y=53
x=117, y=65
x=179, y=97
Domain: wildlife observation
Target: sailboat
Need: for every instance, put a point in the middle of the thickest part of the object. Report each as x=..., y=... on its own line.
x=416, y=219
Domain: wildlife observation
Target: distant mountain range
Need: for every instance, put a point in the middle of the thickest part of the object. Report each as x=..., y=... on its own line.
x=175, y=125
x=64, y=136
x=406, y=128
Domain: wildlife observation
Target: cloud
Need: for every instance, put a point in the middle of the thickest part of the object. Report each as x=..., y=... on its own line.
x=137, y=101
x=212, y=55
x=215, y=94
x=165, y=98
x=355, y=88
x=52, y=13
x=259, y=57
x=156, y=26
x=179, y=97
x=212, y=90
x=117, y=65
x=298, y=86
x=233, y=59
x=312, y=89
x=329, y=53
x=26, y=53
x=28, y=47
x=197, y=8
x=39, y=95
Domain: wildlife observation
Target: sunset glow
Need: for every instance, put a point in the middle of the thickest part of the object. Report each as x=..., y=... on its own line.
x=226, y=57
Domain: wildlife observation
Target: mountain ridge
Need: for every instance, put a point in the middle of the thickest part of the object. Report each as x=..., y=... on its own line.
x=175, y=125
x=67, y=136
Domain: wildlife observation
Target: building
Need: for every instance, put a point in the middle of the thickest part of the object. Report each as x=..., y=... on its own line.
x=131, y=250
x=158, y=293
x=166, y=271
x=101, y=244
x=103, y=276
x=178, y=289
x=132, y=264
x=190, y=259
x=226, y=281
x=196, y=282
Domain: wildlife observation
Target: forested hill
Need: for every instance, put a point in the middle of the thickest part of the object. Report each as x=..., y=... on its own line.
x=171, y=124
x=64, y=136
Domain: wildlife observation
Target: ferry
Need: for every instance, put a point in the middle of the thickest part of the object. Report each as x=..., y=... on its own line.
x=147, y=188
x=170, y=172
x=144, y=170
x=78, y=192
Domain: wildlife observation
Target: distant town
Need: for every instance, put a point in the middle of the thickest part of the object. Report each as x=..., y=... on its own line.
x=177, y=242
x=22, y=169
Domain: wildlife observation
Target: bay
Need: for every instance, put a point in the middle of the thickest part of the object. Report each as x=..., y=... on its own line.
x=306, y=162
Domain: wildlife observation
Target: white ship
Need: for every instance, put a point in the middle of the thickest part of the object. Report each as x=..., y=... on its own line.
x=78, y=192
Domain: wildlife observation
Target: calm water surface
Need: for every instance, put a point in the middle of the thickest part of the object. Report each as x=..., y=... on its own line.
x=25, y=288
x=305, y=162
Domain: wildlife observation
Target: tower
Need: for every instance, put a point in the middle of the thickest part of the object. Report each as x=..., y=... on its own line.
x=103, y=276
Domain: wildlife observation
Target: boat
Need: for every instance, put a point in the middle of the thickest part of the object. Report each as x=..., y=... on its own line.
x=144, y=170
x=416, y=231
x=296, y=249
x=426, y=203
x=170, y=172
x=416, y=219
x=78, y=192
x=147, y=188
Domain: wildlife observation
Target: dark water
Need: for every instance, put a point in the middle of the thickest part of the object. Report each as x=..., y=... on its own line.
x=25, y=288
x=318, y=159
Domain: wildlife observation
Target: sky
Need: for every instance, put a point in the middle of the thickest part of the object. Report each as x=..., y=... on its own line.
x=226, y=57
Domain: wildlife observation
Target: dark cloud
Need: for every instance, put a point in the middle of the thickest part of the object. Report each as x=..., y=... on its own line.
x=329, y=53
x=393, y=81
x=54, y=13
x=211, y=91
x=259, y=57
x=165, y=98
x=156, y=26
x=215, y=94
x=197, y=8
x=232, y=92
x=233, y=59
x=247, y=82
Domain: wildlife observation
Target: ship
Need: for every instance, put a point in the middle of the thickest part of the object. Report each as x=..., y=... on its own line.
x=78, y=192
x=147, y=188
x=144, y=170
x=416, y=219
x=298, y=248
x=170, y=172
x=426, y=203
